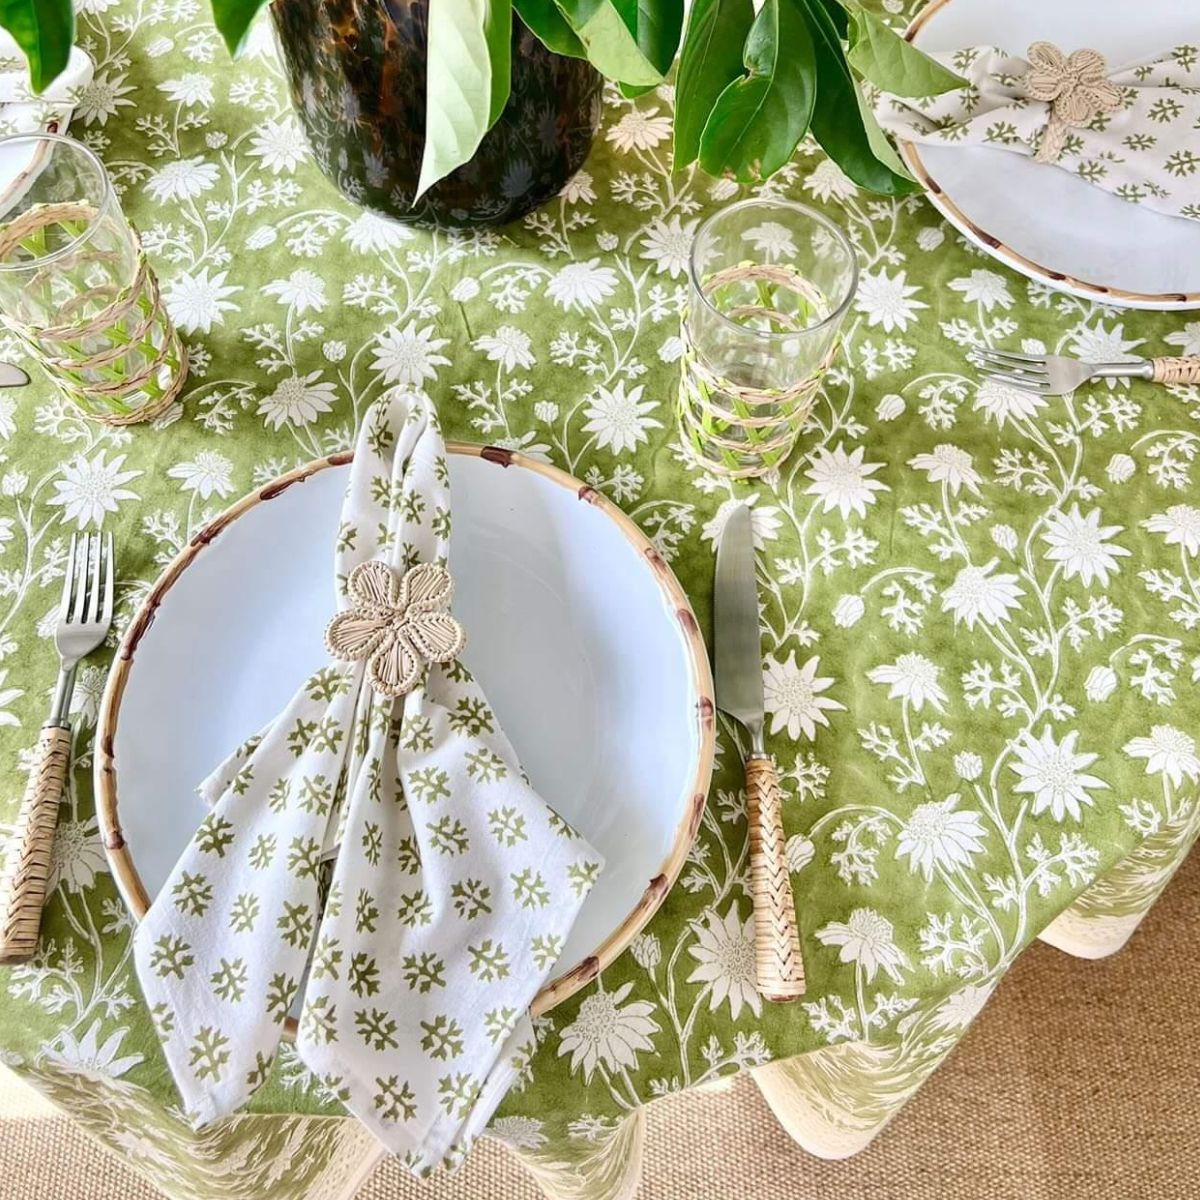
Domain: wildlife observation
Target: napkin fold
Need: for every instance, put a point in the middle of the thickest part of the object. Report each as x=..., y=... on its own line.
x=380, y=857
x=21, y=110
x=1130, y=131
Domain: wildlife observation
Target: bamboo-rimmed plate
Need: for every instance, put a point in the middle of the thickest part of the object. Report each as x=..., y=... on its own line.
x=1039, y=219
x=579, y=633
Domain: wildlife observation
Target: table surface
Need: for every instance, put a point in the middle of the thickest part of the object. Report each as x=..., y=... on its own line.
x=979, y=608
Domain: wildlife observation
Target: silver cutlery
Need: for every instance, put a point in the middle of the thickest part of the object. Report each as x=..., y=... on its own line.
x=1055, y=374
x=84, y=617
x=779, y=968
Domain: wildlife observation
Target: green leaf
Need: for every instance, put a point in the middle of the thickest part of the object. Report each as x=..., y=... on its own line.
x=710, y=61
x=880, y=143
x=841, y=121
x=233, y=19
x=44, y=29
x=469, y=73
x=550, y=27
x=836, y=12
x=656, y=26
x=892, y=64
x=611, y=41
x=758, y=120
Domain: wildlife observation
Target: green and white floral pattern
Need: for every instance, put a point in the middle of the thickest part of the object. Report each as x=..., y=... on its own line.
x=980, y=606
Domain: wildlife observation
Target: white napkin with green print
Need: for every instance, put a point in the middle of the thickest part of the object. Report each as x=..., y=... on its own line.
x=1130, y=130
x=381, y=857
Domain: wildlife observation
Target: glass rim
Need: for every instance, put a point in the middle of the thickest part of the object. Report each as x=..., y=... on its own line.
x=106, y=197
x=797, y=209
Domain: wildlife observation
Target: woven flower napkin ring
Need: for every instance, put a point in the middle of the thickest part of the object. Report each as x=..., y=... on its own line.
x=1075, y=86
x=399, y=625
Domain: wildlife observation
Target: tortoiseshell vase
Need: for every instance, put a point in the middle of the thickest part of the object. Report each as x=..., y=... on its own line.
x=357, y=74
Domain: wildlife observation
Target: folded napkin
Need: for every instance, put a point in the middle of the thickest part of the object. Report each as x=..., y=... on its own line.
x=1131, y=131
x=380, y=836
x=23, y=112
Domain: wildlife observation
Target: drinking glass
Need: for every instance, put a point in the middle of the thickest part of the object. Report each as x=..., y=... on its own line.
x=769, y=286
x=75, y=287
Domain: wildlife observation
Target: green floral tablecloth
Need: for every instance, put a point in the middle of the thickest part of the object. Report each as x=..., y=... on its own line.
x=981, y=655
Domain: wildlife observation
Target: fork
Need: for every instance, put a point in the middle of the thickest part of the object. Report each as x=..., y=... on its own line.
x=1055, y=374
x=84, y=617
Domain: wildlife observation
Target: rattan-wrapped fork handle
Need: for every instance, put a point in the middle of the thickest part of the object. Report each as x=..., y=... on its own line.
x=779, y=969
x=24, y=888
x=1176, y=370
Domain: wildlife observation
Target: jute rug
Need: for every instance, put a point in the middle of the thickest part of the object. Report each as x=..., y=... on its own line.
x=1079, y=1082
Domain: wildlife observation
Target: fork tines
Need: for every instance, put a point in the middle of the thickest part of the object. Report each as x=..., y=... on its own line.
x=1028, y=371
x=87, y=595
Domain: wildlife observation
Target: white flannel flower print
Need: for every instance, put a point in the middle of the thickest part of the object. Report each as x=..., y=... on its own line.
x=914, y=678
x=508, y=346
x=607, y=1033
x=1179, y=525
x=1003, y=402
x=620, y=419
x=297, y=400
x=280, y=145
x=843, y=481
x=668, y=244
x=303, y=290
x=793, y=696
x=77, y=857
x=1054, y=774
x=1083, y=545
x=724, y=952
x=950, y=465
x=199, y=301
x=888, y=300
x=985, y=288
x=369, y=233
x=771, y=240
x=867, y=939
x=827, y=181
x=582, y=284
x=183, y=179
x=982, y=594
x=91, y=488
x=410, y=356
x=1169, y=752
x=640, y=129
x=937, y=835
x=208, y=474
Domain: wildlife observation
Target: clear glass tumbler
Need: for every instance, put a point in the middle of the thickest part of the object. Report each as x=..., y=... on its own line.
x=75, y=286
x=770, y=284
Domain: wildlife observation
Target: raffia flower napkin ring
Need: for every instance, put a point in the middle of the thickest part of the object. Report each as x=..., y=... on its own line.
x=400, y=625
x=1077, y=88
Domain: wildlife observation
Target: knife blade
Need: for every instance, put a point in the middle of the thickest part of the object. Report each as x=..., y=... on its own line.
x=738, y=654
x=778, y=965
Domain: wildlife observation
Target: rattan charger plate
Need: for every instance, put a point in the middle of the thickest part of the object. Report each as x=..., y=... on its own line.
x=577, y=629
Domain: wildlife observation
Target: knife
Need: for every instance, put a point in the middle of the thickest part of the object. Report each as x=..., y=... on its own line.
x=779, y=969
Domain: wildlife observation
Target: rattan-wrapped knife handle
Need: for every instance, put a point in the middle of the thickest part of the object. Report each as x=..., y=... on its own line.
x=1176, y=370
x=779, y=969
x=24, y=890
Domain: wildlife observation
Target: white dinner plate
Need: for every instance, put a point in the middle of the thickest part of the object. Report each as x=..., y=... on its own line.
x=577, y=630
x=1045, y=222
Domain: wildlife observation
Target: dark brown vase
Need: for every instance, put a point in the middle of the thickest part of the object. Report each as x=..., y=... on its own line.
x=357, y=75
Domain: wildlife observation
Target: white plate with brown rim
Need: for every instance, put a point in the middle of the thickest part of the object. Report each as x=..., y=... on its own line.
x=578, y=631
x=1042, y=221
